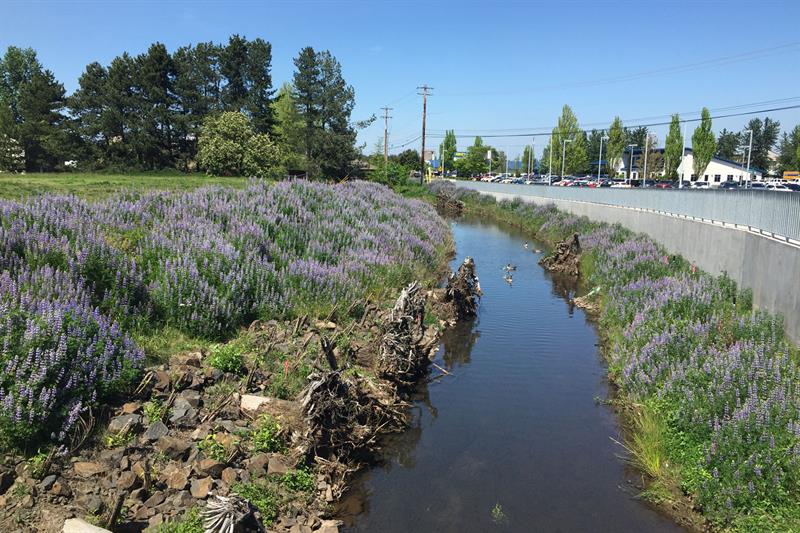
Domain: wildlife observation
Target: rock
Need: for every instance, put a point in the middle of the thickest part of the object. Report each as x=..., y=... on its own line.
x=177, y=479
x=329, y=526
x=250, y=403
x=188, y=359
x=173, y=446
x=182, y=499
x=130, y=408
x=47, y=483
x=210, y=467
x=227, y=425
x=6, y=480
x=91, y=503
x=121, y=423
x=300, y=528
x=201, y=487
x=163, y=381
x=127, y=480
x=182, y=413
x=156, y=499
x=229, y=476
x=138, y=495
x=156, y=430
x=155, y=520
x=278, y=465
x=257, y=465
x=60, y=488
x=76, y=525
x=88, y=469
x=191, y=397
x=124, y=463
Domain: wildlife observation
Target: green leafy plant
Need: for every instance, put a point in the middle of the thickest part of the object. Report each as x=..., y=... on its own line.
x=498, y=515
x=266, y=437
x=300, y=480
x=154, y=410
x=191, y=522
x=213, y=448
x=227, y=357
x=262, y=496
x=114, y=440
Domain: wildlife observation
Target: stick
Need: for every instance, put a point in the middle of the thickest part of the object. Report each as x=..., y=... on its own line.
x=440, y=368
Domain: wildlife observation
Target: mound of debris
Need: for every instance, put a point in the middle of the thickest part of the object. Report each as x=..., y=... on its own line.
x=566, y=257
x=447, y=203
x=463, y=291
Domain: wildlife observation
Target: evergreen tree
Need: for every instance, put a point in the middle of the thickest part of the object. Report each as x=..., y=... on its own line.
x=155, y=77
x=233, y=65
x=789, y=158
x=728, y=143
x=88, y=108
x=703, y=144
x=259, y=84
x=765, y=135
x=325, y=102
x=673, y=148
x=288, y=128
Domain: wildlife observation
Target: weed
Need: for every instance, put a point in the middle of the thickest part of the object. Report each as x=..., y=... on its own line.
x=266, y=437
x=154, y=410
x=115, y=440
x=213, y=448
x=36, y=463
x=191, y=522
x=262, y=496
x=498, y=515
x=300, y=480
x=227, y=357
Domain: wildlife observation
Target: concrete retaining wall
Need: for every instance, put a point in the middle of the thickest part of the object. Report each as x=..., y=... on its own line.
x=769, y=267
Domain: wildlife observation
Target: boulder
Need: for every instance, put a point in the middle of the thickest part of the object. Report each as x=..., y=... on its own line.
x=201, y=487
x=173, y=446
x=250, y=403
x=278, y=465
x=210, y=467
x=156, y=430
x=156, y=499
x=130, y=408
x=88, y=469
x=76, y=525
x=176, y=478
x=131, y=422
x=126, y=480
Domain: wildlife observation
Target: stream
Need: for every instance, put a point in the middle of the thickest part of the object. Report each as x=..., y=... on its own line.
x=513, y=439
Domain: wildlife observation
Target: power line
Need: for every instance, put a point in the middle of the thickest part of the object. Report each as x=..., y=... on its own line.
x=652, y=124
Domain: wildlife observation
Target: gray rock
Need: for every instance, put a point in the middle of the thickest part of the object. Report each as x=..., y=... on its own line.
x=132, y=422
x=156, y=430
x=76, y=525
x=91, y=503
x=48, y=481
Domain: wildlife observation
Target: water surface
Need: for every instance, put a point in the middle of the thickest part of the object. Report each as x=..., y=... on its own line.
x=516, y=426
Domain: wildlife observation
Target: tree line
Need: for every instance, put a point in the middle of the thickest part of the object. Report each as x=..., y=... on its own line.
x=580, y=149
x=150, y=111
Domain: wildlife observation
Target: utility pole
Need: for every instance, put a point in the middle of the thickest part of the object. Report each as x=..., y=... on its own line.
x=425, y=95
x=683, y=156
x=749, y=153
x=600, y=158
x=646, y=149
x=386, y=118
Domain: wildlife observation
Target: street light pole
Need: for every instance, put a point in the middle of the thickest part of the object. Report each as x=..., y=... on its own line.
x=600, y=157
x=683, y=156
x=646, y=147
x=749, y=153
x=550, y=168
x=564, y=154
x=630, y=162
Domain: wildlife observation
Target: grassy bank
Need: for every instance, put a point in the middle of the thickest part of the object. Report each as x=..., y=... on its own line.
x=709, y=386
x=93, y=186
x=90, y=289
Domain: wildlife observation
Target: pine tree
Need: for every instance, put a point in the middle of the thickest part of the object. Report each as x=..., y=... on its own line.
x=703, y=144
x=259, y=85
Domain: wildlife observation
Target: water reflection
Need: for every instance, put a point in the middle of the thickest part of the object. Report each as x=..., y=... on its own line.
x=514, y=424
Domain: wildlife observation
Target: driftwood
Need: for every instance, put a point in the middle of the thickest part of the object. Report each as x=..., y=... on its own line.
x=464, y=290
x=400, y=358
x=447, y=203
x=566, y=257
x=229, y=515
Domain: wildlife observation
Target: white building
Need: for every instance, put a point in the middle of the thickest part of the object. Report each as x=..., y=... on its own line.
x=717, y=172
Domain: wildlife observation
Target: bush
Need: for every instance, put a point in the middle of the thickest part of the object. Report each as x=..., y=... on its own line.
x=228, y=146
x=226, y=357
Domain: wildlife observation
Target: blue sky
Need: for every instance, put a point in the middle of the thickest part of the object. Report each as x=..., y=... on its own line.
x=496, y=67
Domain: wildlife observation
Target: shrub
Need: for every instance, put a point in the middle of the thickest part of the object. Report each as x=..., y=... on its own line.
x=226, y=357
x=266, y=437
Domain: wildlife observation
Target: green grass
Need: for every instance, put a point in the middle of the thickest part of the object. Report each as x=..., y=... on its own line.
x=94, y=186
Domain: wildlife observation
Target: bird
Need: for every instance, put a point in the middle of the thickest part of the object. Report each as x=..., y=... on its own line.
x=537, y=251
x=508, y=278
x=526, y=244
x=509, y=268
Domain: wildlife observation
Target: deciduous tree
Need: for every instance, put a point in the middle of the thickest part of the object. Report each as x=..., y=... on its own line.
x=673, y=148
x=703, y=144
x=615, y=146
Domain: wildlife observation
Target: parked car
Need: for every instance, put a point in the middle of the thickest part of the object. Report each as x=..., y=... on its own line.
x=778, y=187
x=664, y=185
x=699, y=185
x=793, y=186
x=729, y=185
x=757, y=185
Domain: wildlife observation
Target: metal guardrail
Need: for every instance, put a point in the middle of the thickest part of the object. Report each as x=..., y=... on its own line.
x=772, y=213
